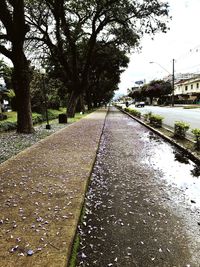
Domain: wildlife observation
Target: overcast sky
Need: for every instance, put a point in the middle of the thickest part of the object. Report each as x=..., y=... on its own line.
x=182, y=42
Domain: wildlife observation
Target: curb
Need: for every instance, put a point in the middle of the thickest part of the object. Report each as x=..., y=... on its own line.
x=189, y=153
x=72, y=248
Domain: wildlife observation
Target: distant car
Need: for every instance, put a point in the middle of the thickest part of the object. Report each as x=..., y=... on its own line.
x=140, y=104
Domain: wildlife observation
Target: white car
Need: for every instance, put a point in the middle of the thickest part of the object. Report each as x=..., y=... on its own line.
x=140, y=104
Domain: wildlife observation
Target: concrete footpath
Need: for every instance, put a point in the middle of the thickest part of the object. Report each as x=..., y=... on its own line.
x=41, y=195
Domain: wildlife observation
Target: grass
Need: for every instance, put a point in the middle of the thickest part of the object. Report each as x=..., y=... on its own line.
x=73, y=258
x=11, y=122
x=12, y=116
x=191, y=107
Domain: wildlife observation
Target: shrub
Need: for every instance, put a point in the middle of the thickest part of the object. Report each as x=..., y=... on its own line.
x=156, y=120
x=135, y=113
x=118, y=106
x=3, y=117
x=180, y=129
x=7, y=126
x=196, y=133
x=147, y=116
x=11, y=123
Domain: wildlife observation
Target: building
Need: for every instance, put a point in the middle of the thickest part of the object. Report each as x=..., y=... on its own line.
x=188, y=90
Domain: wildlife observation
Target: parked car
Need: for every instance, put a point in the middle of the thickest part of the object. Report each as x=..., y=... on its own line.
x=139, y=104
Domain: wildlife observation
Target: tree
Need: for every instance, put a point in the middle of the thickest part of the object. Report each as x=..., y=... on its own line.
x=106, y=66
x=136, y=93
x=70, y=30
x=13, y=30
x=158, y=88
x=52, y=86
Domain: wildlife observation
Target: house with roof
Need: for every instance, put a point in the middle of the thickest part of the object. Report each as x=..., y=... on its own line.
x=187, y=91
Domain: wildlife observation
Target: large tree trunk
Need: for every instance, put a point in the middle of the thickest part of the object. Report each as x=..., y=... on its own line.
x=22, y=74
x=80, y=106
x=88, y=101
x=21, y=83
x=71, y=105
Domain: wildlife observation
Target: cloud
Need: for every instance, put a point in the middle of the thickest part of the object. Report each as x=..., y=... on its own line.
x=182, y=42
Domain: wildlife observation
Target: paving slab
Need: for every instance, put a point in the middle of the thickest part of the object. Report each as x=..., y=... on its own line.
x=42, y=191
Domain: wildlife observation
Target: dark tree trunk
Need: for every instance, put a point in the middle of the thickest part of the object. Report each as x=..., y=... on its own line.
x=80, y=107
x=95, y=104
x=71, y=105
x=82, y=103
x=13, y=20
x=88, y=101
x=21, y=83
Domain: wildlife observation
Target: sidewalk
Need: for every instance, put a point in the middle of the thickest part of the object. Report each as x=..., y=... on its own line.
x=41, y=195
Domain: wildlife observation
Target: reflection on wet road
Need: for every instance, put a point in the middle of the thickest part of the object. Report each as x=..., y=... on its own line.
x=175, y=166
x=142, y=206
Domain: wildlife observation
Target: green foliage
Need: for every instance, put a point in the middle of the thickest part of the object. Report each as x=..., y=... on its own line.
x=156, y=120
x=73, y=258
x=11, y=122
x=147, y=115
x=180, y=129
x=3, y=117
x=38, y=93
x=196, y=133
x=89, y=53
x=7, y=126
x=156, y=88
x=191, y=107
x=10, y=93
x=135, y=112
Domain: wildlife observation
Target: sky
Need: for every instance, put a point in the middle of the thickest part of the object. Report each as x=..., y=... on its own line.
x=181, y=42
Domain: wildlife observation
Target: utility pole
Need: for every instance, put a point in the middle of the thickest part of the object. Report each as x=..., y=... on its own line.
x=173, y=79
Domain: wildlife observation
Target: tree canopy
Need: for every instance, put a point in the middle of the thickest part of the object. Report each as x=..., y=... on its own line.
x=67, y=33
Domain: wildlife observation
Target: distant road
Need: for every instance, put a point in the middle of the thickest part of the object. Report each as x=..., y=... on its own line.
x=191, y=116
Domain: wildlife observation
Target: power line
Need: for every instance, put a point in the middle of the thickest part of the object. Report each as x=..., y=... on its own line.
x=189, y=52
x=187, y=68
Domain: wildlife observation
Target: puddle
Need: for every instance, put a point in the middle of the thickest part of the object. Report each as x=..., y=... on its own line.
x=177, y=170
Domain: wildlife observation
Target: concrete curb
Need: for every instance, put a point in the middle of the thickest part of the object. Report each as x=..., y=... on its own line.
x=86, y=189
x=189, y=153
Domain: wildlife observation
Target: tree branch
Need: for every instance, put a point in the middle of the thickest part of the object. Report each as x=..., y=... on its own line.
x=6, y=52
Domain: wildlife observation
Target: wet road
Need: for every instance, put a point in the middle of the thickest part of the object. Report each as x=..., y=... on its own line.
x=143, y=204
x=171, y=115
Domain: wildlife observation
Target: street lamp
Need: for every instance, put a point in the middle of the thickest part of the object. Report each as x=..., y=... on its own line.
x=43, y=72
x=173, y=78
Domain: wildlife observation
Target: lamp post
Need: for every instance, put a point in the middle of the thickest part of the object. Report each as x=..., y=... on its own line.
x=43, y=72
x=173, y=78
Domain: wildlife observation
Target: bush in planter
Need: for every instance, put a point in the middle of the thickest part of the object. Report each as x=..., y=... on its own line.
x=196, y=133
x=147, y=115
x=156, y=120
x=135, y=113
x=180, y=129
x=127, y=109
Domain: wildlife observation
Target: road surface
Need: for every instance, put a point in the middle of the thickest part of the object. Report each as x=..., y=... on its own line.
x=171, y=115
